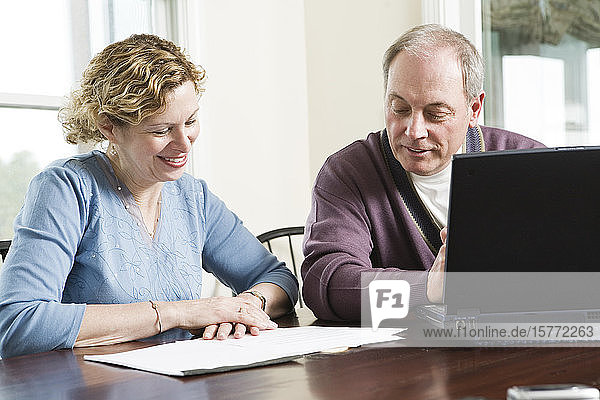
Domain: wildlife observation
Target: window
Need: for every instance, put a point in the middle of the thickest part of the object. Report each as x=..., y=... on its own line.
x=40, y=66
x=542, y=59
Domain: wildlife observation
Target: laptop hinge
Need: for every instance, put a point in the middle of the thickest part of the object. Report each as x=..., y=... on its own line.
x=468, y=312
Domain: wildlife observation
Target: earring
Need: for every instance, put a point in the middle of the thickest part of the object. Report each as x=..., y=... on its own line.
x=113, y=150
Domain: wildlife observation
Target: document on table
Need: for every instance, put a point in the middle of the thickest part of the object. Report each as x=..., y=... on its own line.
x=198, y=356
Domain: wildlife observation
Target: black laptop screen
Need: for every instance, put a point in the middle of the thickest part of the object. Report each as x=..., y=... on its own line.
x=534, y=211
x=525, y=211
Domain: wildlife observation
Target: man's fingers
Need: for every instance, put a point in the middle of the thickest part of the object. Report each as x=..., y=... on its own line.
x=444, y=234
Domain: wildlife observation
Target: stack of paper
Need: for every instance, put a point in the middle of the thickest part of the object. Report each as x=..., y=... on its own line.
x=198, y=356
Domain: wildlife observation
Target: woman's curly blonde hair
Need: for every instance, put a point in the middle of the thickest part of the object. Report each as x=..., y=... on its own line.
x=127, y=81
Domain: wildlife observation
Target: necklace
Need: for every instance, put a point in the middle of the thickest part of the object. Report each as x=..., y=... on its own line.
x=140, y=215
x=155, y=220
x=149, y=228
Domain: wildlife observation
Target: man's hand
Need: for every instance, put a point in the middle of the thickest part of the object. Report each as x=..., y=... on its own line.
x=435, y=278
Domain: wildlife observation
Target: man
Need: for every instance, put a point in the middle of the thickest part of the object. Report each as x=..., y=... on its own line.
x=382, y=202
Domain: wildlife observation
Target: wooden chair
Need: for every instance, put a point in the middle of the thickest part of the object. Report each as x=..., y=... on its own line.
x=4, y=245
x=286, y=250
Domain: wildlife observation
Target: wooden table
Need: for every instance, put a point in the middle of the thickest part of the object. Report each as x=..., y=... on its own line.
x=361, y=373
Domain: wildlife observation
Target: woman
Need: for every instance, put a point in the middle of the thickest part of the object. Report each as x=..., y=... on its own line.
x=109, y=247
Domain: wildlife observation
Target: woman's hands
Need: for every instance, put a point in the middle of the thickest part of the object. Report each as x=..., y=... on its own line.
x=250, y=305
x=220, y=316
x=213, y=317
x=277, y=304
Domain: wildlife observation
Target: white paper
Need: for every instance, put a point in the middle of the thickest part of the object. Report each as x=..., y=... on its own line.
x=198, y=356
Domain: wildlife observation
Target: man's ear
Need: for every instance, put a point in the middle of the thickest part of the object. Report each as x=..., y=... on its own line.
x=106, y=127
x=475, y=110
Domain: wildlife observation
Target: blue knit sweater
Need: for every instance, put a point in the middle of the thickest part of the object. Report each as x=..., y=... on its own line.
x=79, y=239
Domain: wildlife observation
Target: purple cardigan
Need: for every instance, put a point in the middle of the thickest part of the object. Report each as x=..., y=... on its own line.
x=358, y=221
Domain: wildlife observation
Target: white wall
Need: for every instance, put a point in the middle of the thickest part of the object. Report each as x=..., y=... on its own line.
x=345, y=42
x=289, y=83
x=253, y=149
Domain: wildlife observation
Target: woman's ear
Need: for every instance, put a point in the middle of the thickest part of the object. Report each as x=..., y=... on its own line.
x=106, y=127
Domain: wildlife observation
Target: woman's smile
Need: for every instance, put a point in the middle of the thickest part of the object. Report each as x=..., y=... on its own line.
x=175, y=162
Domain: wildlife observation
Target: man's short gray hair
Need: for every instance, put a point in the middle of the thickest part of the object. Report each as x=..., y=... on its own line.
x=425, y=40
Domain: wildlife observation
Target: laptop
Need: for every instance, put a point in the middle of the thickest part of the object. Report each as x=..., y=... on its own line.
x=523, y=238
